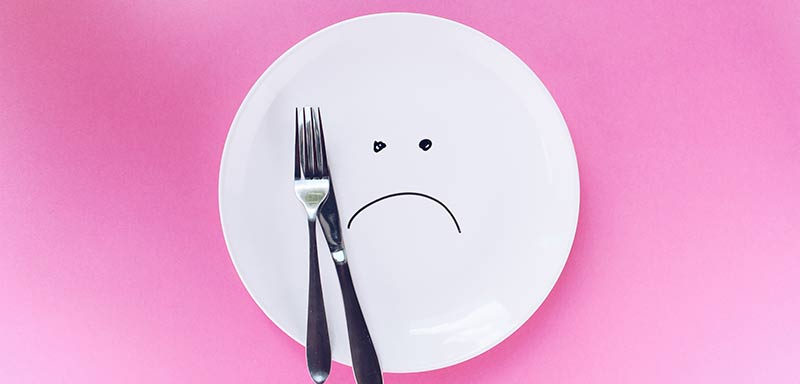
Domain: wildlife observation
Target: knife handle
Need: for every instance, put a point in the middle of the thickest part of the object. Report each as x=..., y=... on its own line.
x=318, y=344
x=366, y=367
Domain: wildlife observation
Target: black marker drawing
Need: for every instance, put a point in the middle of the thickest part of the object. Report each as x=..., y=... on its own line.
x=350, y=222
x=378, y=146
x=425, y=144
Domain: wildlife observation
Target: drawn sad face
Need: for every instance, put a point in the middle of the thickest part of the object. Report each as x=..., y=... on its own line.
x=424, y=145
x=416, y=195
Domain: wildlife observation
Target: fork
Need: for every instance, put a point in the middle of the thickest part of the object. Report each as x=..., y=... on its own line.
x=312, y=185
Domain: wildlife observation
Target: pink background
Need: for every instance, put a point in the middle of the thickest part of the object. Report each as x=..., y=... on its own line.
x=685, y=118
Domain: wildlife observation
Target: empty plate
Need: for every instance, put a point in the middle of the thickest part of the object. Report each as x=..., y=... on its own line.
x=455, y=176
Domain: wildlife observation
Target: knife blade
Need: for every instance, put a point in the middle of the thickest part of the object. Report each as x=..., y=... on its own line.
x=328, y=216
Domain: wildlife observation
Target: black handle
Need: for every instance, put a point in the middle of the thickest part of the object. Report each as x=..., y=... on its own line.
x=318, y=345
x=365, y=361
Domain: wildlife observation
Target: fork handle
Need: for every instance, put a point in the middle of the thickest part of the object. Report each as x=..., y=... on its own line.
x=318, y=345
x=366, y=367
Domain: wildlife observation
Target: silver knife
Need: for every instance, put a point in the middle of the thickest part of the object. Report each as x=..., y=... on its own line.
x=366, y=367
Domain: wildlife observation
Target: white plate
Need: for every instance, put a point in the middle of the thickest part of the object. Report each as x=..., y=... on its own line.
x=501, y=161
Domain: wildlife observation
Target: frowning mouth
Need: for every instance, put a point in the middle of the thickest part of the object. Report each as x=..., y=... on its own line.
x=373, y=202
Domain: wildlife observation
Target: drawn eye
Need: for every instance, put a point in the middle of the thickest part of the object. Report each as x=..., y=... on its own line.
x=378, y=146
x=425, y=144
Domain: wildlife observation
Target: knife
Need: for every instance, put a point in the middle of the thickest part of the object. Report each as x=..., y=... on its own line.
x=366, y=367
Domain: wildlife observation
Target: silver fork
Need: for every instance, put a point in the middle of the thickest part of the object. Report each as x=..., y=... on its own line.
x=312, y=185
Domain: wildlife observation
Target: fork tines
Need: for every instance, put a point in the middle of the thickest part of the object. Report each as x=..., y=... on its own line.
x=309, y=155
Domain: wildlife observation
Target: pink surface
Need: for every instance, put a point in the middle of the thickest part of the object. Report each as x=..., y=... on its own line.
x=685, y=118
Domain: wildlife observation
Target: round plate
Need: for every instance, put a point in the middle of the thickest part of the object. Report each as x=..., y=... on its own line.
x=410, y=103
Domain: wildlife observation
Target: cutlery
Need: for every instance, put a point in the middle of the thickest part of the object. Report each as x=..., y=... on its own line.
x=312, y=186
x=366, y=367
